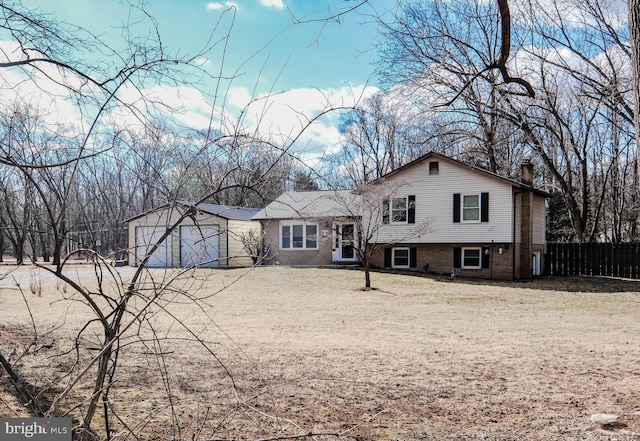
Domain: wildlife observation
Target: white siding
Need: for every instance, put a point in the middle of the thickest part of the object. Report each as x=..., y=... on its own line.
x=238, y=255
x=434, y=206
x=163, y=218
x=539, y=220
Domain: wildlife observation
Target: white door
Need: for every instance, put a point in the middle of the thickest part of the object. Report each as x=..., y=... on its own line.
x=199, y=246
x=344, y=243
x=146, y=238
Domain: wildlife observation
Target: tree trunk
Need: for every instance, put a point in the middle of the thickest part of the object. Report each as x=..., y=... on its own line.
x=99, y=385
x=19, y=250
x=20, y=387
x=367, y=274
x=634, y=31
x=44, y=246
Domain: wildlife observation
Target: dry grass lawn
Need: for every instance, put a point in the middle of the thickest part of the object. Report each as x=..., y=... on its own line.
x=292, y=351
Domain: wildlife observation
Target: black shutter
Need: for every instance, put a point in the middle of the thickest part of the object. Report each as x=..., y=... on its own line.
x=413, y=257
x=385, y=211
x=484, y=207
x=457, y=257
x=411, y=216
x=486, y=257
x=387, y=258
x=456, y=207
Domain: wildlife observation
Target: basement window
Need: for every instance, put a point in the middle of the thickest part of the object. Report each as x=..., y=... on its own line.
x=400, y=257
x=472, y=258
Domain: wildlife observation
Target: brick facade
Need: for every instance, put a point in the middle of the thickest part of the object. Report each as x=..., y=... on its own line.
x=439, y=259
x=276, y=256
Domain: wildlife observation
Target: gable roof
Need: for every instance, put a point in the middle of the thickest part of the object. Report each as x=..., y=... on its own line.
x=433, y=155
x=310, y=204
x=223, y=211
x=233, y=213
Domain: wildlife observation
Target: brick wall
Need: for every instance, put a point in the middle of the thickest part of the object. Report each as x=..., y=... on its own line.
x=321, y=256
x=438, y=259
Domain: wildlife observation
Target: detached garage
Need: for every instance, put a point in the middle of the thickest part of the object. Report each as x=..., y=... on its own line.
x=211, y=236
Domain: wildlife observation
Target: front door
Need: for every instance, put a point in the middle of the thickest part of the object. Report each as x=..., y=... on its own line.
x=344, y=243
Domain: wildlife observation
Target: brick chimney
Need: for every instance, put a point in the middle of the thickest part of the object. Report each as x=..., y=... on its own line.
x=526, y=172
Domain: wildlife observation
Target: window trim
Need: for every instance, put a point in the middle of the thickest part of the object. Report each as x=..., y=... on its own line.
x=410, y=210
x=393, y=257
x=305, y=235
x=462, y=258
x=478, y=207
x=406, y=210
x=458, y=203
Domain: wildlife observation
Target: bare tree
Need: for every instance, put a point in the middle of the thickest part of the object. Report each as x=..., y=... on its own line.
x=449, y=56
x=54, y=170
x=252, y=241
x=634, y=40
x=368, y=208
x=131, y=146
x=586, y=85
x=529, y=81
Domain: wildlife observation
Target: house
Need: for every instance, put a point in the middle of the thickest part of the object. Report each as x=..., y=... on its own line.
x=444, y=216
x=208, y=236
x=310, y=228
x=434, y=214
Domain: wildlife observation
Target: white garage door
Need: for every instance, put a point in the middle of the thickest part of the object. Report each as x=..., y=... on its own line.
x=146, y=237
x=199, y=246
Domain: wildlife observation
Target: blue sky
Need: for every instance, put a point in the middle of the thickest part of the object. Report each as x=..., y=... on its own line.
x=304, y=64
x=264, y=43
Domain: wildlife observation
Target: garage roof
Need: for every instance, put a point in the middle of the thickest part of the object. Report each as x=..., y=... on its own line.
x=224, y=211
x=235, y=213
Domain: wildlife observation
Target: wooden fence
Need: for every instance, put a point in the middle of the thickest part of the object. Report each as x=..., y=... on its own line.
x=593, y=259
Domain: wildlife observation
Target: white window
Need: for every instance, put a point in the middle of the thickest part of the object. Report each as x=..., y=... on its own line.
x=471, y=208
x=298, y=236
x=472, y=258
x=398, y=210
x=400, y=258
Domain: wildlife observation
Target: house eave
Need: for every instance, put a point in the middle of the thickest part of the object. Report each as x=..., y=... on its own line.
x=431, y=155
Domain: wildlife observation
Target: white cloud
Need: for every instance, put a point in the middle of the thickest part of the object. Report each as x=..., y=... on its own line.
x=305, y=116
x=304, y=119
x=238, y=97
x=39, y=89
x=286, y=118
x=185, y=106
x=216, y=6
x=576, y=13
x=272, y=3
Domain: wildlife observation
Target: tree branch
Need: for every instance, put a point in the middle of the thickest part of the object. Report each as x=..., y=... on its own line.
x=505, y=49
